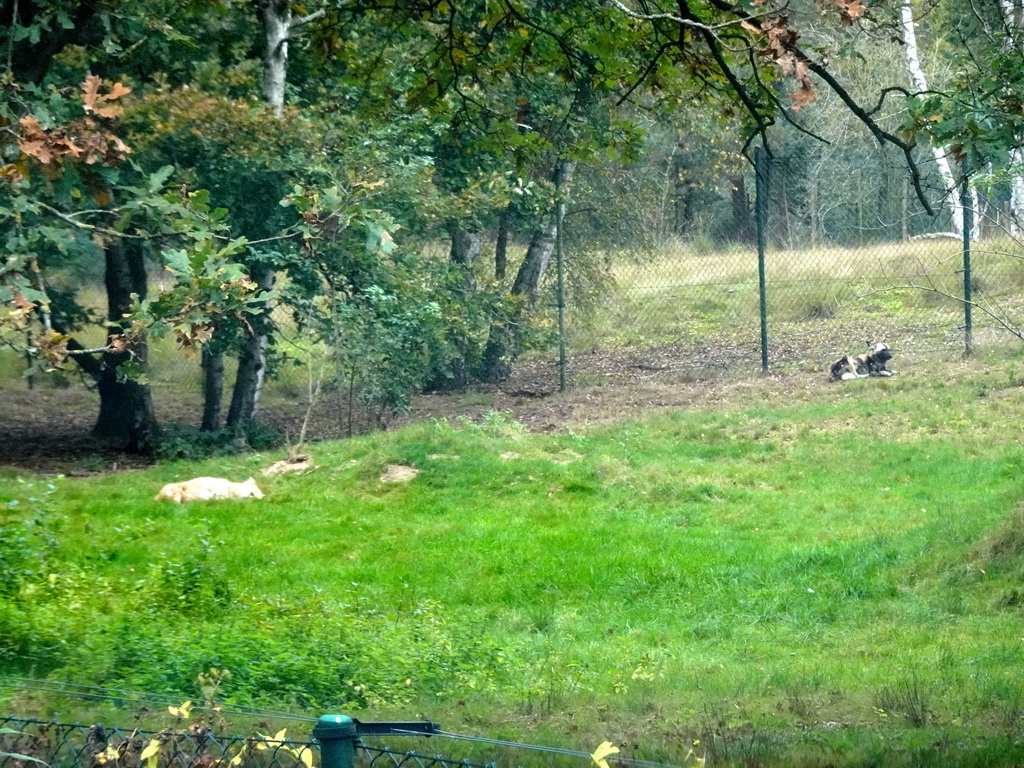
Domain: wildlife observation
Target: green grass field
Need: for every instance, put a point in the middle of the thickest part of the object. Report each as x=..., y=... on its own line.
x=801, y=574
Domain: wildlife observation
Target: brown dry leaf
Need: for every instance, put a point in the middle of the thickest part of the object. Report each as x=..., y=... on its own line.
x=850, y=11
x=119, y=342
x=36, y=149
x=21, y=302
x=31, y=128
x=92, y=97
x=111, y=111
x=804, y=95
x=90, y=91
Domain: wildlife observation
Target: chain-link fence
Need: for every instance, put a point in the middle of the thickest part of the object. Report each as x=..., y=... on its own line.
x=813, y=267
x=333, y=741
x=29, y=742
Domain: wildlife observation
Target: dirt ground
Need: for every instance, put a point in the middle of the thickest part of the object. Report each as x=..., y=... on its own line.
x=48, y=430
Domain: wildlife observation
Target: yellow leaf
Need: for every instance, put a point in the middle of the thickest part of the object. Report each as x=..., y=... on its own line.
x=602, y=752
x=306, y=757
x=182, y=711
x=151, y=754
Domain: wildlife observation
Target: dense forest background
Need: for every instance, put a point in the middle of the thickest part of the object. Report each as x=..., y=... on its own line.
x=375, y=192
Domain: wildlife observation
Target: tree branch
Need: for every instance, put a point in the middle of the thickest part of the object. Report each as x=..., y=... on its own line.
x=86, y=362
x=882, y=136
x=69, y=218
x=646, y=73
x=301, y=22
x=692, y=23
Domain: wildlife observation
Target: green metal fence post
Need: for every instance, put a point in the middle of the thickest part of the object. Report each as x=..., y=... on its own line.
x=761, y=218
x=968, y=224
x=337, y=736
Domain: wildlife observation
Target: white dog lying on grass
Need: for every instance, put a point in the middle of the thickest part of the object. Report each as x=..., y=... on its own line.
x=205, y=488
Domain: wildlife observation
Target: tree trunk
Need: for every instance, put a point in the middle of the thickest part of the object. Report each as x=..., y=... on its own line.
x=275, y=16
x=742, y=222
x=920, y=82
x=213, y=388
x=813, y=210
x=683, y=194
x=501, y=243
x=905, y=211
x=252, y=361
x=126, y=420
x=504, y=338
x=1012, y=19
x=1017, y=192
x=464, y=251
x=542, y=244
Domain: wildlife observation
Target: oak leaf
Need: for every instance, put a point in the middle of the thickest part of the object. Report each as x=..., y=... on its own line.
x=93, y=99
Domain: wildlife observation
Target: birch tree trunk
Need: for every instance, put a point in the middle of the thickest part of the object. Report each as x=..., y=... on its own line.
x=1012, y=20
x=276, y=16
x=278, y=25
x=917, y=77
x=542, y=244
x=464, y=251
x=1017, y=192
x=252, y=361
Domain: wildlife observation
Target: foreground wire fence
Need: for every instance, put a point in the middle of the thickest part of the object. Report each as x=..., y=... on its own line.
x=74, y=745
x=31, y=742
x=335, y=741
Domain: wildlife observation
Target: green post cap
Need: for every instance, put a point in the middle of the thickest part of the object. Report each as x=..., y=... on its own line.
x=334, y=727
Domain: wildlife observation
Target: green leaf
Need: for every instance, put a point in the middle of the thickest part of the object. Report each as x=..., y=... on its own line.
x=156, y=181
x=178, y=263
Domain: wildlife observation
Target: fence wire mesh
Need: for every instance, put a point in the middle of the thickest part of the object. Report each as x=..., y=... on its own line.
x=23, y=742
x=847, y=261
